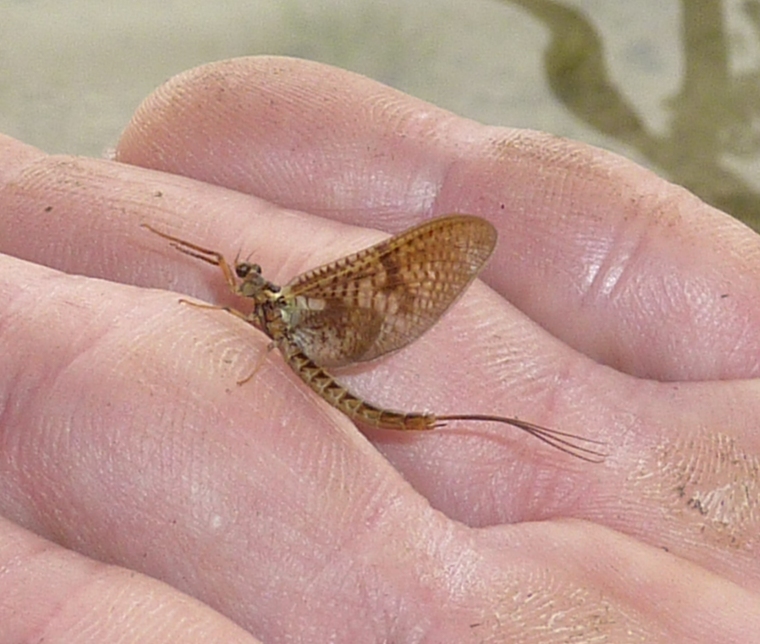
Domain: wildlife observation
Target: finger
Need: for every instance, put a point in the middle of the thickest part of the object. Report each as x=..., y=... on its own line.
x=654, y=586
x=631, y=270
x=284, y=519
x=54, y=595
x=496, y=363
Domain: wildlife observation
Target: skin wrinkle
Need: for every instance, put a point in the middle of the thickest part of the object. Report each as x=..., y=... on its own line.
x=620, y=253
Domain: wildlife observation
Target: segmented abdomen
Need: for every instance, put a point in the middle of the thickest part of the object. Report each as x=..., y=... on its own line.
x=325, y=385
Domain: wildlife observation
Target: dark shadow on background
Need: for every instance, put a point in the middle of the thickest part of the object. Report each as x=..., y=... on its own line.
x=712, y=114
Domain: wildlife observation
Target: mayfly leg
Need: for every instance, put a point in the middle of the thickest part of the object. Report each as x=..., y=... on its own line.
x=198, y=252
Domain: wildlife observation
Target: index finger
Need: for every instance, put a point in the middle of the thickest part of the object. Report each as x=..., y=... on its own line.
x=629, y=269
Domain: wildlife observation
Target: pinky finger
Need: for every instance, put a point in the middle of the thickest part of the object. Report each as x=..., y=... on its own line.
x=51, y=594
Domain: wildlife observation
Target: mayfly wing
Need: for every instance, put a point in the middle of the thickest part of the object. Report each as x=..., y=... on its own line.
x=384, y=297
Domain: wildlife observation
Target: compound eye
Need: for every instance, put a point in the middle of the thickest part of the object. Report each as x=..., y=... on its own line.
x=244, y=269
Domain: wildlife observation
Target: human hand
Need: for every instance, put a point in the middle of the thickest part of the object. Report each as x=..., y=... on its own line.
x=127, y=439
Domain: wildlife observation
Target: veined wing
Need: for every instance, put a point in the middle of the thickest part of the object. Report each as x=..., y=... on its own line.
x=384, y=297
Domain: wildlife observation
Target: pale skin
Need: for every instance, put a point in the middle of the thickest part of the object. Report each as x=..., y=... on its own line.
x=616, y=306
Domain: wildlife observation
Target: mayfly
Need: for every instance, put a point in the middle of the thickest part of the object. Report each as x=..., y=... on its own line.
x=368, y=304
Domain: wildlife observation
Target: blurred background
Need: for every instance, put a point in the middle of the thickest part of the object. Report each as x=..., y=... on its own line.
x=672, y=84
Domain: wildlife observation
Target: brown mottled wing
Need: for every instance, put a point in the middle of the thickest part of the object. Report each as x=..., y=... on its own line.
x=384, y=297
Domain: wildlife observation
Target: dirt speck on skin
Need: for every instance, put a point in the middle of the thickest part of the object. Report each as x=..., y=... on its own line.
x=711, y=483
